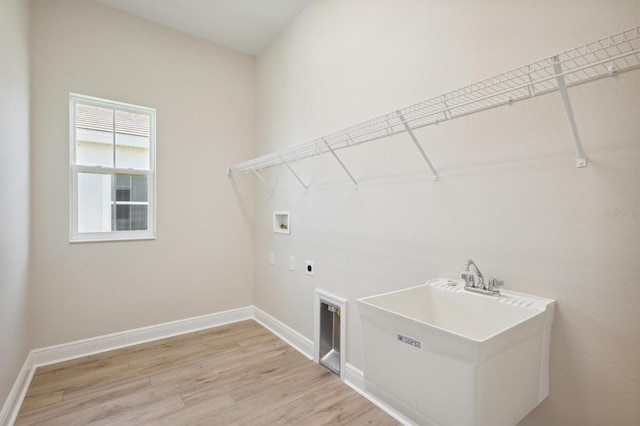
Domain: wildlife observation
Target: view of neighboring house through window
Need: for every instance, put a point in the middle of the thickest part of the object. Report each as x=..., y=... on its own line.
x=113, y=173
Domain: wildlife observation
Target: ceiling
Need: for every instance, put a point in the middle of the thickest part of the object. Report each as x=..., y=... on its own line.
x=244, y=25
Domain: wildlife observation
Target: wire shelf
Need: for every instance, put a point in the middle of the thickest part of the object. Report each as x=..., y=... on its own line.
x=601, y=58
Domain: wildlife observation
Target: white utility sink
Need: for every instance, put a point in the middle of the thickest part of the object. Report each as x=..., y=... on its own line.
x=442, y=355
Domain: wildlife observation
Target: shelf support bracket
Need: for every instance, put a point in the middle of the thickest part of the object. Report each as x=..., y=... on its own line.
x=263, y=181
x=581, y=158
x=532, y=89
x=447, y=111
x=294, y=173
x=435, y=177
x=341, y=163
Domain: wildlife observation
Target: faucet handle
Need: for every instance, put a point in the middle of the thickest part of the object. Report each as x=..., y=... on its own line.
x=495, y=284
x=469, y=279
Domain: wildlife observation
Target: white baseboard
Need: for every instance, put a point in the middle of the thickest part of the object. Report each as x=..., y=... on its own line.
x=354, y=378
x=49, y=355
x=299, y=342
x=108, y=342
x=18, y=391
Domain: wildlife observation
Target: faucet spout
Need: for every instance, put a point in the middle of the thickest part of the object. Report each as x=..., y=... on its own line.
x=469, y=263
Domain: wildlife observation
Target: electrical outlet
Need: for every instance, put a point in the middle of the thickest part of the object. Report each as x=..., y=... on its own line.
x=310, y=269
x=292, y=263
x=272, y=258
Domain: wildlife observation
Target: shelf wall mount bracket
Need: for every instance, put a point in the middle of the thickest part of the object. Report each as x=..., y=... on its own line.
x=294, y=173
x=435, y=176
x=581, y=158
x=355, y=182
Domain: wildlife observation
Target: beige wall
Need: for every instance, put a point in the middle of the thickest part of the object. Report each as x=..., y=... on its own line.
x=14, y=203
x=201, y=261
x=509, y=196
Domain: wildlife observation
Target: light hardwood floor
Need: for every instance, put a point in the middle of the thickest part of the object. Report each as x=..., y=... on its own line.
x=230, y=375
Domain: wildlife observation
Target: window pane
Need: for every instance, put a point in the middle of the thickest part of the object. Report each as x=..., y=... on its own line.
x=123, y=188
x=94, y=202
x=131, y=217
x=133, y=135
x=139, y=217
x=139, y=188
x=94, y=136
x=132, y=188
x=123, y=218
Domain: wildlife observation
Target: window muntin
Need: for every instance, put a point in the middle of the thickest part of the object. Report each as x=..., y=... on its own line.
x=113, y=170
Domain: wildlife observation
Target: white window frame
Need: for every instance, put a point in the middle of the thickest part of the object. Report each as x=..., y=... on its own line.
x=75, y=169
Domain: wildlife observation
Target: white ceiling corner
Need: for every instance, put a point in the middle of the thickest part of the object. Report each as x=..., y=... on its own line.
x=244, y=25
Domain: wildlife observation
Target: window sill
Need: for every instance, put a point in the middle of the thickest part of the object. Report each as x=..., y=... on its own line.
x=101, y=238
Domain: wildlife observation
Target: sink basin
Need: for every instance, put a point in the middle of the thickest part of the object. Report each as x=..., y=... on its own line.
x=442, y=355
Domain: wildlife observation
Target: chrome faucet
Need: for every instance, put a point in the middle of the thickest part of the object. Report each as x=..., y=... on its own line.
x=491, y=288
x=467, y=265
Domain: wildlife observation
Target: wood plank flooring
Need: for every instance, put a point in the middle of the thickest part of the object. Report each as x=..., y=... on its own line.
x=239, y=374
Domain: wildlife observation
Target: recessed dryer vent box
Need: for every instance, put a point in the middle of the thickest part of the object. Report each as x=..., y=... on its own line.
x=281, y=222
x=330, y=332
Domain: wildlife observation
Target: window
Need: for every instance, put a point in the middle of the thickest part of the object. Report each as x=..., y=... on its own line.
x=112, y=170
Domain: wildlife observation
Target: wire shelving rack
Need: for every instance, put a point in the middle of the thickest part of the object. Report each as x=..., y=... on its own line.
x=601, y=58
